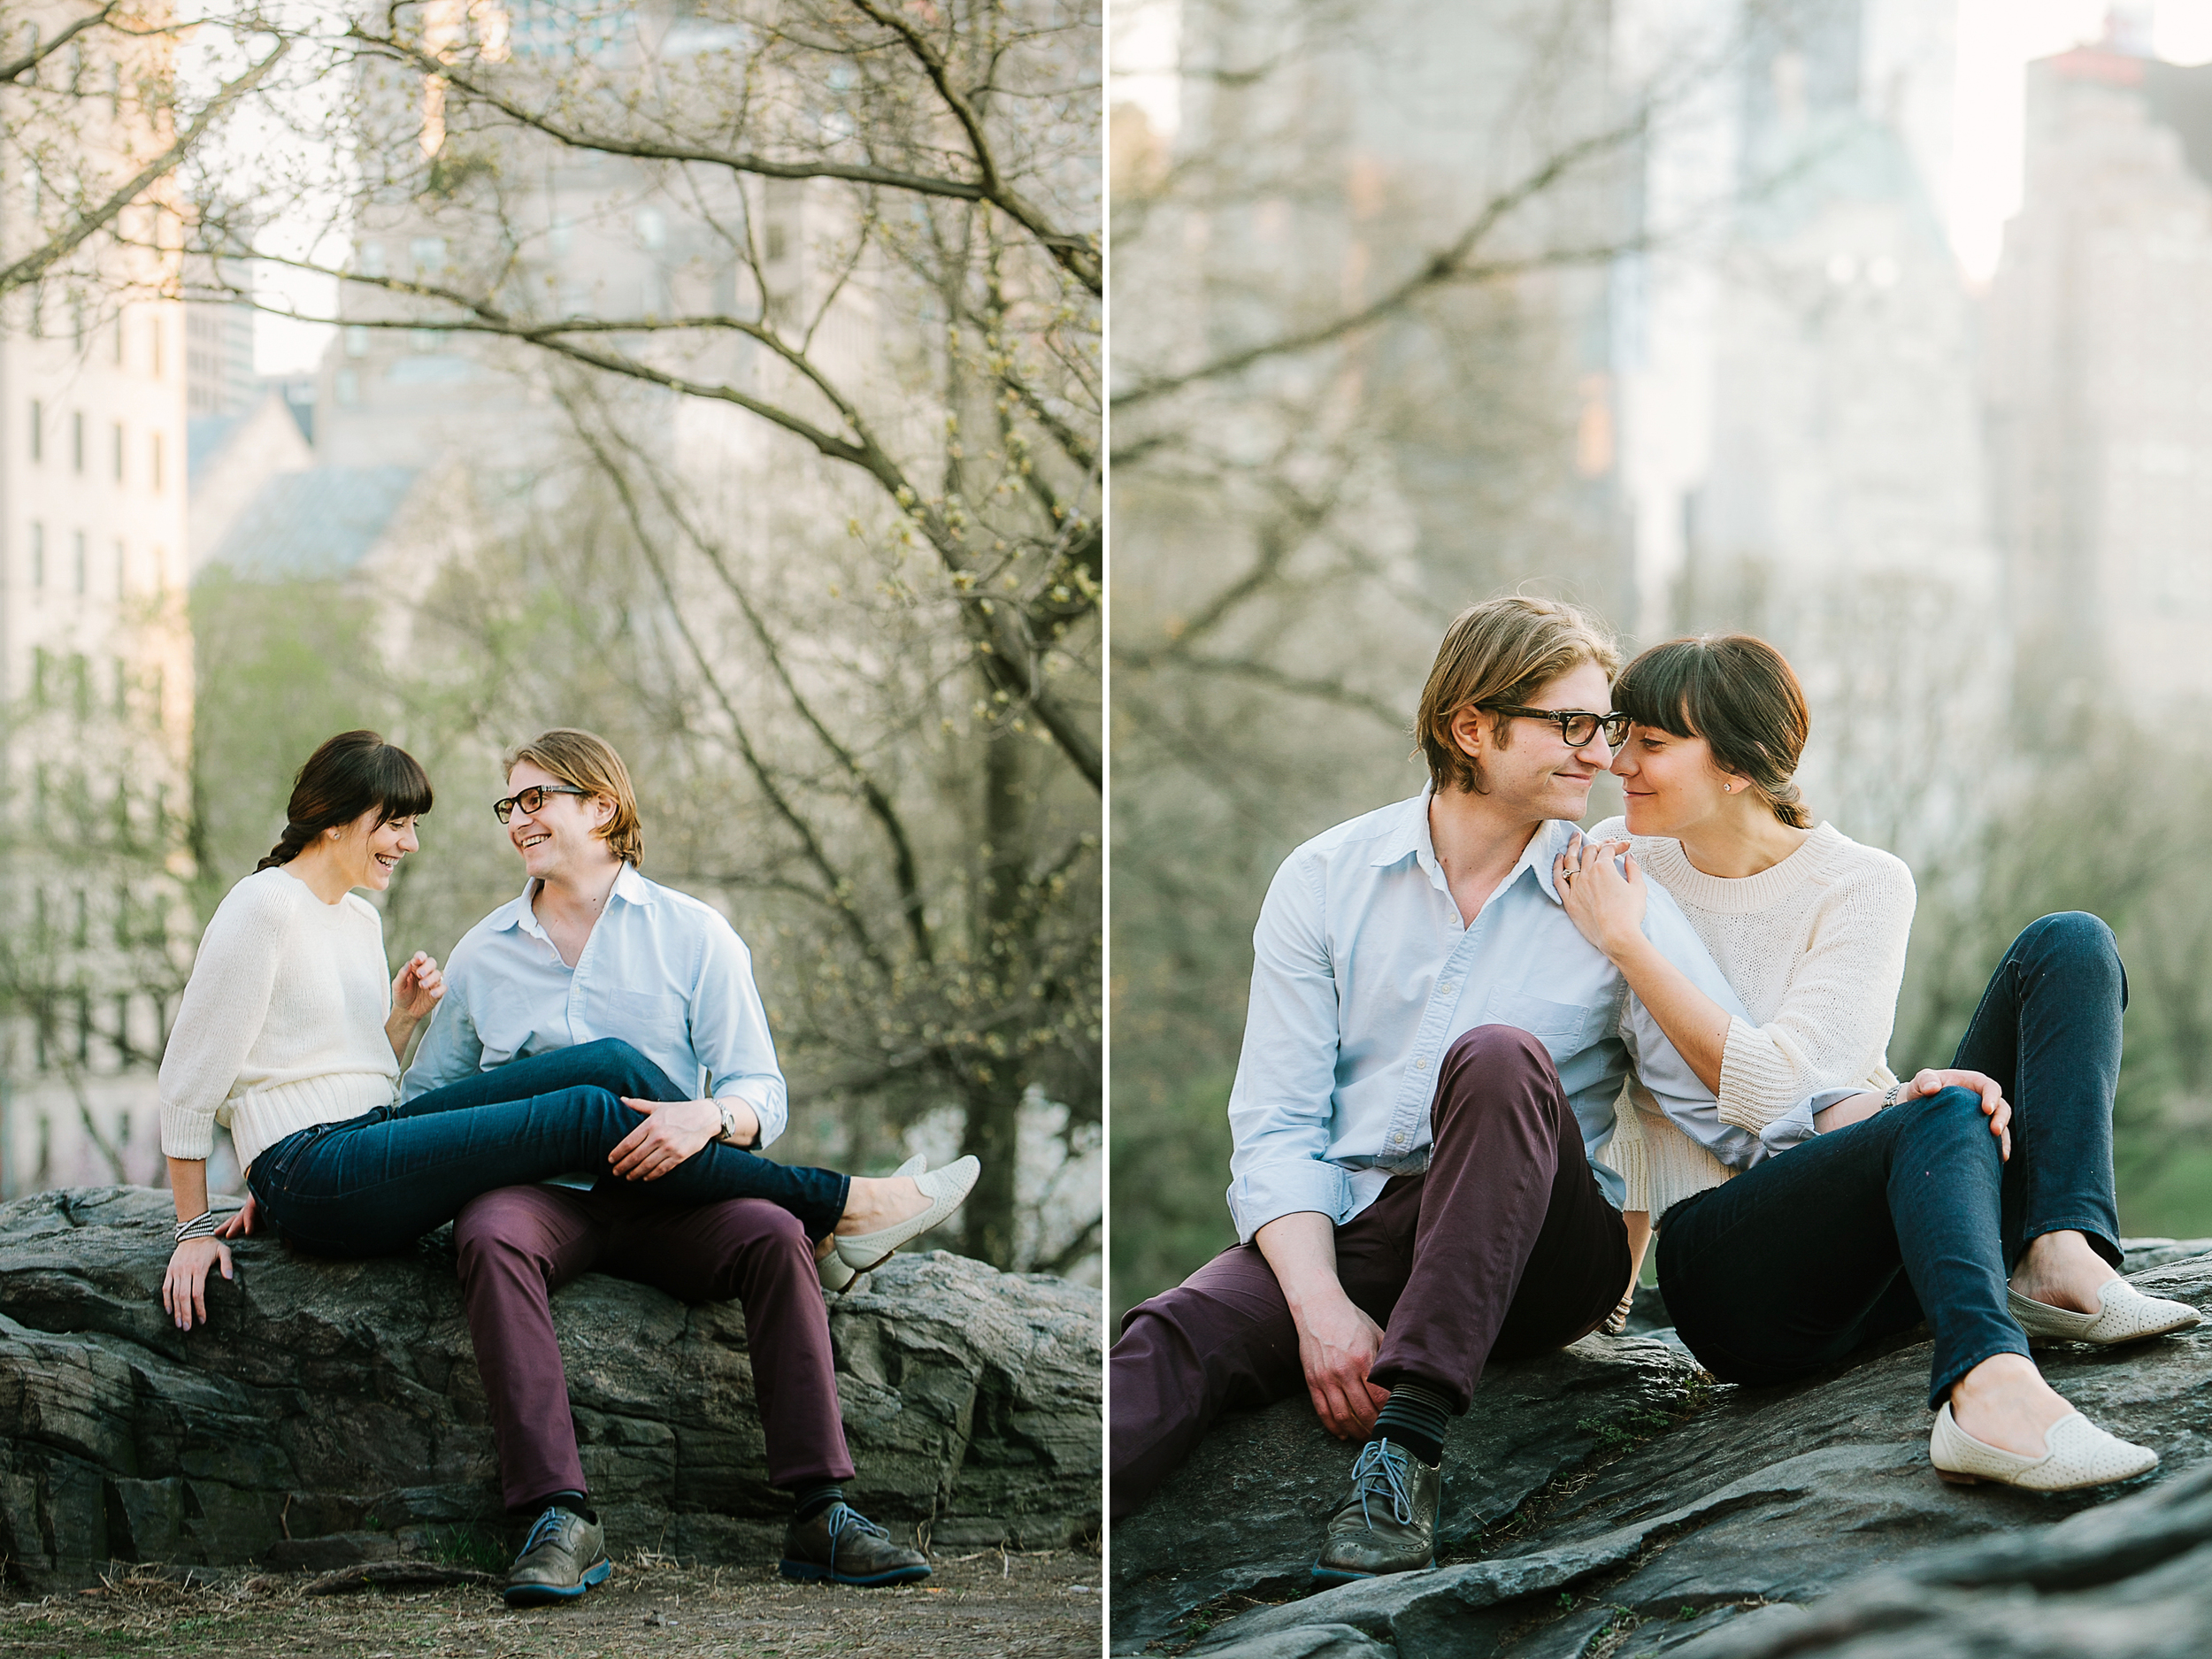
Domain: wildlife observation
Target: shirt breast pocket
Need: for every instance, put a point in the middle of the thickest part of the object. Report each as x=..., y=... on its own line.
x=1557, y=1026
x=655, y=1025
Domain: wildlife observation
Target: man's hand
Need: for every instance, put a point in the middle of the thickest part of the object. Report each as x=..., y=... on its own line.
x=184, y=1287
x=1337, y=1342
x=672, y=1132
x=1337, y=1345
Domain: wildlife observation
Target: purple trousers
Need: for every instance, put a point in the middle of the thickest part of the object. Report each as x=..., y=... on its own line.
x=521, y=1244
x=1504, y=1246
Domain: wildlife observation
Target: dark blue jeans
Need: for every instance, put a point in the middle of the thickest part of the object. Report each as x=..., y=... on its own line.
x=1910, y=1214
x=374, y=1184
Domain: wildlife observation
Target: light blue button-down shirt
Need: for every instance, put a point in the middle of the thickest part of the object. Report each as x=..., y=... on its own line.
x=661, y=971
x=1364, y=974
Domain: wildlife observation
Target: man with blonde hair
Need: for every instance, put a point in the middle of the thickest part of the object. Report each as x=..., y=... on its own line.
x=1432, y=1056
x=591, y=950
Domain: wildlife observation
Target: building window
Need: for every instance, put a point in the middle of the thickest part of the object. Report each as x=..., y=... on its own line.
x=356, y=341
x=156, y=460
x=372, y=259
x=116, y=444
x=428, y=255
x=76, y=439
x=38, y=430
x=38, y=555
x=78, y=561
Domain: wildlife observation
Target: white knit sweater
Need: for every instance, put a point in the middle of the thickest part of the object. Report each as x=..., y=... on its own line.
x=1814, y=945
x=281, y=1026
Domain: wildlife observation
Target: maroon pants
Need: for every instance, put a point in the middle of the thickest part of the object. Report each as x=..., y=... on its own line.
x=521, y=1244
x=1504, y=1246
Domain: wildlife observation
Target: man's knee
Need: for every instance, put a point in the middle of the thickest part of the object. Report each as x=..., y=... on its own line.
x=501, y=1227
x=1499, y=1051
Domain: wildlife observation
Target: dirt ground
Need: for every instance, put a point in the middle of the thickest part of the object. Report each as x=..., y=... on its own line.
x=1024, y=1605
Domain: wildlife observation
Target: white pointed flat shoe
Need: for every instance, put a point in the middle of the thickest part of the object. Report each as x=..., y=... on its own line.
x=946, y=1189
x=836, y=1273
x=2079, y=1454
x=2125, y=1314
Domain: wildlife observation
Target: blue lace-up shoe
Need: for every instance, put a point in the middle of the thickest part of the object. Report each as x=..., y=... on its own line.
x=564, y=1556
x=845, y=1546
x=1388, y=1523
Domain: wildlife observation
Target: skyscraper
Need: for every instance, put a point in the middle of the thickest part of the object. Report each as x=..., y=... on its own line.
x=2100, y=359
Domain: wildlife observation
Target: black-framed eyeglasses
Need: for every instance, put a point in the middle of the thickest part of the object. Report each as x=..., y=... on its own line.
x=1577, y=726
x=531, y=799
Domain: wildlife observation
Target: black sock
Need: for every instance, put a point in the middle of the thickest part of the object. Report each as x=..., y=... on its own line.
x=574, y=1502
x=1415, y=1417
x=813, y=1499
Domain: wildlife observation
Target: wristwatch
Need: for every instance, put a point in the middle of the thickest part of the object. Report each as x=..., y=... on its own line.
x=728, y=1137
x=1889, y=1100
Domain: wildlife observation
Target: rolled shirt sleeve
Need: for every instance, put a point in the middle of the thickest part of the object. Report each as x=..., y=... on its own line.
x=1280, y=1107
x=450, y=1051
x=729, y=1031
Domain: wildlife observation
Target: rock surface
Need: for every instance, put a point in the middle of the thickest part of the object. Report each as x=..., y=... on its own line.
x=1733, y=1531
x=331, y=1412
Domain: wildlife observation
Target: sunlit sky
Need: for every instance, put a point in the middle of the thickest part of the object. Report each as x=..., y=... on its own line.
x=1996, y=41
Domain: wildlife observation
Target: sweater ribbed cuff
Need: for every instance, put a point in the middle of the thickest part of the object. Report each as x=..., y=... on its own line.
x=1757, y=1083
x=185, y=1133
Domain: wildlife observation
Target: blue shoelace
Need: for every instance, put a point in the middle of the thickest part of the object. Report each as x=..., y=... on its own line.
x=546, y=1529
x=842, y=1519
x=1381, y=1471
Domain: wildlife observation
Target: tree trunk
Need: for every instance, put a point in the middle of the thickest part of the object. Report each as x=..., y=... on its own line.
x=992, y=1087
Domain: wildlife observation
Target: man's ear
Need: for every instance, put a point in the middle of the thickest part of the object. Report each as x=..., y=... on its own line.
x=1471, y=730
x=601, y=810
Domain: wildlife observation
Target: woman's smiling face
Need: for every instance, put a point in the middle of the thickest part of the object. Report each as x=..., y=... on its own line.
x=369, y=850
x=1669, y=783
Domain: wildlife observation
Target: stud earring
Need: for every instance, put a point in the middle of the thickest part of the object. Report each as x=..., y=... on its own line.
x=1725, y=787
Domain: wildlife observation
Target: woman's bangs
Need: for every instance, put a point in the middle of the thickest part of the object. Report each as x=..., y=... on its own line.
x=402, y=784
x=1663, y=688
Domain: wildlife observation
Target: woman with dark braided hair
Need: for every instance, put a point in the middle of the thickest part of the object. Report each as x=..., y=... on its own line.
x=1979, y=1198
x=289, y=1034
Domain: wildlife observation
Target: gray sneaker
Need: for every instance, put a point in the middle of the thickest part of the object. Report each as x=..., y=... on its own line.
x=1388, y=1523
x=564, y=1556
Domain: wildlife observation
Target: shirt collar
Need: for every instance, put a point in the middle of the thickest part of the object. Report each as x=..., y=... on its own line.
x=629, y=887
x=1408, y=837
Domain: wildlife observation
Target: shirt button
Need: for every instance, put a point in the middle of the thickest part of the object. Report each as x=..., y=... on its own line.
x=1420, y=1065
x=1444, y=989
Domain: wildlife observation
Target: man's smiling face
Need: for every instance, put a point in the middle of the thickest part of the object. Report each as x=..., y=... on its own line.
x=558, y=838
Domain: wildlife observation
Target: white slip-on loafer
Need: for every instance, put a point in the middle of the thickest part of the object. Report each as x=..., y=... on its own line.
x=946, y=1189
x=836, y=1273
x=2125, y=1314
x=2079, y=1454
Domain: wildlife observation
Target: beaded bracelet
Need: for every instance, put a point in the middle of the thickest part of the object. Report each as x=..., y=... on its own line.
x=200, y=1227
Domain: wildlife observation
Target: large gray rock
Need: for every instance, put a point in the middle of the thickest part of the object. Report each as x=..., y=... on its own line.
x=1729, y=1534
x=1242, y=1517
x=332, y=1412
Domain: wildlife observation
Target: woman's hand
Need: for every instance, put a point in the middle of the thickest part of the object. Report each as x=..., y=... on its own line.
x=1605, y=902
x=184, y=1287
x=240, y=1221
x=418, y=987
x=1995, y=1107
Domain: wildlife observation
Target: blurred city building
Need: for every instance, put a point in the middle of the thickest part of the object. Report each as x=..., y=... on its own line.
x=1806, y=442
x=2099, y=378
x=95, y=657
